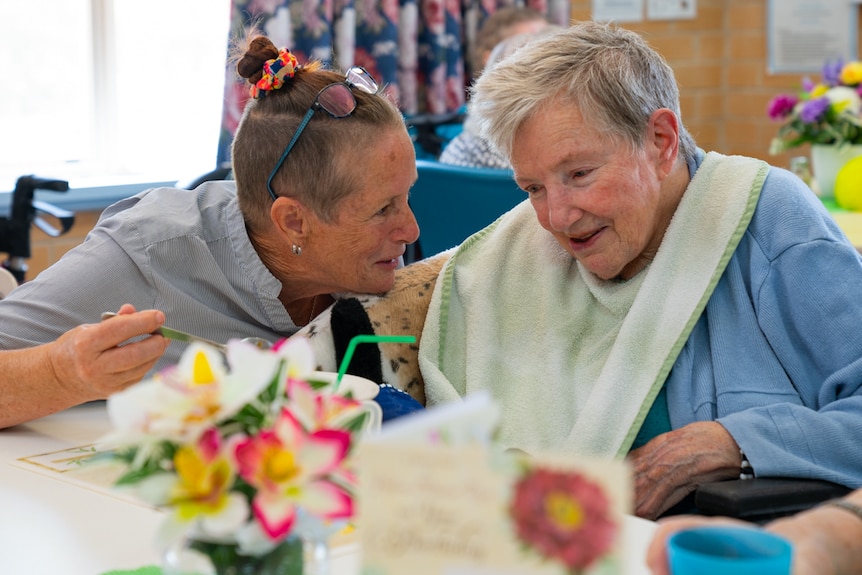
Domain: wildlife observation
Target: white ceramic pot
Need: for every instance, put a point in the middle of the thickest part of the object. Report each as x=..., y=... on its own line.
x=826, y=161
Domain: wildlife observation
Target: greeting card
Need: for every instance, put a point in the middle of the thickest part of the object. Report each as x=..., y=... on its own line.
x=434, y=507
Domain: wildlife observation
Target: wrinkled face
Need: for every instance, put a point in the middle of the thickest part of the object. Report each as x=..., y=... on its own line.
x=601, y=201
x=358, y=252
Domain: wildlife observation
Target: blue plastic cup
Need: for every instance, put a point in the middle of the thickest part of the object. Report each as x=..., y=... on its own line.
x=722, y=550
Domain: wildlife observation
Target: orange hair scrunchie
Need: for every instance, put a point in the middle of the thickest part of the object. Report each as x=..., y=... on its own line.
x=275, y=72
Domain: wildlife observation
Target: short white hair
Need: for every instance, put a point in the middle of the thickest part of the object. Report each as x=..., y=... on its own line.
x=611, y=74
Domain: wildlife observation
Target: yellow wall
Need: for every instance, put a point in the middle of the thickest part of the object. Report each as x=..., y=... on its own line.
x=720, y=62
x=46, y=250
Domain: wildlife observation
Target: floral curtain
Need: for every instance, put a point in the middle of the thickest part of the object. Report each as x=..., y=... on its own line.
x=417, y=49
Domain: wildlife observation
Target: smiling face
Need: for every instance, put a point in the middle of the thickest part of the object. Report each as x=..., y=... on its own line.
x=606, y=205
x=359, y=250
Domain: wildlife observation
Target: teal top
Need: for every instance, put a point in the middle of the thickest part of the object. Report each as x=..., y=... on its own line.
x=657, y=420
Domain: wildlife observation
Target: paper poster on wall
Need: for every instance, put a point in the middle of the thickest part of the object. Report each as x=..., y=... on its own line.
x=671, y=9
x=804, y=34
x=618, y=10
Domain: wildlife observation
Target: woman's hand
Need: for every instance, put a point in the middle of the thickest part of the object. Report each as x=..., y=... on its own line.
x=825, y=540
x=85, y=363
x=673, y=464
x=89, y=362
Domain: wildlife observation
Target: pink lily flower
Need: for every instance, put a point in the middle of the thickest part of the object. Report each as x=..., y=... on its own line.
x=291, y=468
x=316, y=410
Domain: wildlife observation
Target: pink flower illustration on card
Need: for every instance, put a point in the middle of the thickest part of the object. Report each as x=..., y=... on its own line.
x=564, y=516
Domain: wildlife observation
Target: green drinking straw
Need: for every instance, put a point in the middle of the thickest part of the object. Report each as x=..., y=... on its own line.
x=357, y=339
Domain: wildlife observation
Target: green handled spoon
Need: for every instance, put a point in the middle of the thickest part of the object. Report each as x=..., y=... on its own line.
x=174, y=334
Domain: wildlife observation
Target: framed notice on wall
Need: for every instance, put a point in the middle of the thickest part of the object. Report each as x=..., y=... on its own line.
x=804, y=34
x=618, y=10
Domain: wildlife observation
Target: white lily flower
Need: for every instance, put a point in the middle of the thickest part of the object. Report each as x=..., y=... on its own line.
x=178, y=403
x=300, y=357
x=845, y=98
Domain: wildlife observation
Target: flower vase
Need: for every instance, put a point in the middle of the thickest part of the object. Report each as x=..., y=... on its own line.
x=294, y=556
x=826, y=161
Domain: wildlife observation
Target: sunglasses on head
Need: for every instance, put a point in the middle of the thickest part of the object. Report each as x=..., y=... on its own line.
x=337, y=100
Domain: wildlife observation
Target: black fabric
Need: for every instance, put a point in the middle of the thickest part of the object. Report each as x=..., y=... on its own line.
x=350, y=319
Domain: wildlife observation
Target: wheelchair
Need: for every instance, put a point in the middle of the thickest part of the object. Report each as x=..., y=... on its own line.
x=26, y=211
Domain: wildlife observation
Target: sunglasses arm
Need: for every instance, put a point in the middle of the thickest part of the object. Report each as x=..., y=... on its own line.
x=296, y=134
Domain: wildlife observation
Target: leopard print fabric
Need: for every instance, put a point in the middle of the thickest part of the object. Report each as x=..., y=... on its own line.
x=400, y=311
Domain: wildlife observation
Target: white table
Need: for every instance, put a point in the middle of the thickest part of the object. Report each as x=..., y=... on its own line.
x=49, y=526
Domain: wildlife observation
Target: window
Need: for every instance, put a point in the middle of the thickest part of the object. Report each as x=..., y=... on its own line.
x=98, y=92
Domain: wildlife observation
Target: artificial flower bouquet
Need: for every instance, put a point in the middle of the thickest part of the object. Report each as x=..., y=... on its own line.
x=825, y=112
x=243, y=457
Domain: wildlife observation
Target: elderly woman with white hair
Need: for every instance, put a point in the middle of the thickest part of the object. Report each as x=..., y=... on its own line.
x=694, y=313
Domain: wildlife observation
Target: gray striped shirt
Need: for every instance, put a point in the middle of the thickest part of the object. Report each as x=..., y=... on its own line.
x=184, y=252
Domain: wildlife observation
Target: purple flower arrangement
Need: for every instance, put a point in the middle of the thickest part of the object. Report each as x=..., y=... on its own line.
x=825, y=112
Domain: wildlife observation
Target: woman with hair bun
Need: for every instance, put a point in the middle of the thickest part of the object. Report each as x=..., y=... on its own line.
x=322, y=163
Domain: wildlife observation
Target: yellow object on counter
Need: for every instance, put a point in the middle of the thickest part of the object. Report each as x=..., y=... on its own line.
x=848, y=185
x=849, y=222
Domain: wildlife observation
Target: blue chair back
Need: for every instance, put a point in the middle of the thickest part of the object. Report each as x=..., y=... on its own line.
x=453, y=202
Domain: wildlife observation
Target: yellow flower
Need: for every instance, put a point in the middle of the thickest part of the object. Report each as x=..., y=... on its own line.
x=564, y=511
x=851, y=74
x=818, y=91
x=204, y=483
x=202, y=370
x=843, y=98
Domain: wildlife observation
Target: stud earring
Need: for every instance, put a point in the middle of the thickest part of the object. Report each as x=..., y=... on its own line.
x=297, y=250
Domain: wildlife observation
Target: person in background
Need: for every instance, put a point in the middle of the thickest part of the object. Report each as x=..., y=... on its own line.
x=468, y=148
x=504, y=23
x=501, y=34
x=694, y=313
x=323, y=165
x=827, y=539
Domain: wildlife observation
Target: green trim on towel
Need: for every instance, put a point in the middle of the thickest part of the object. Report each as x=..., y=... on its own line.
x=446, y=290
x=447, y=275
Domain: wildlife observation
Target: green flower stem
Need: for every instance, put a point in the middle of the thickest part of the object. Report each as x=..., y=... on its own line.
x=285, y=559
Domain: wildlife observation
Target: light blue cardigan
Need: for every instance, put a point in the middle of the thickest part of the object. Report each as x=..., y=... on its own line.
x=776, y=357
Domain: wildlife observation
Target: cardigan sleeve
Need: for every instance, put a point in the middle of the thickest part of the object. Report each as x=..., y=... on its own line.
x=808, y=310
x=777, y=356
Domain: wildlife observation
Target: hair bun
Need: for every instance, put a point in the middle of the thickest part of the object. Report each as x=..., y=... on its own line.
x=250, y=66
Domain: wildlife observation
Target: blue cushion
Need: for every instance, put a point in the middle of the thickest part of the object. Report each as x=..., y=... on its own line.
x=395, y=403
